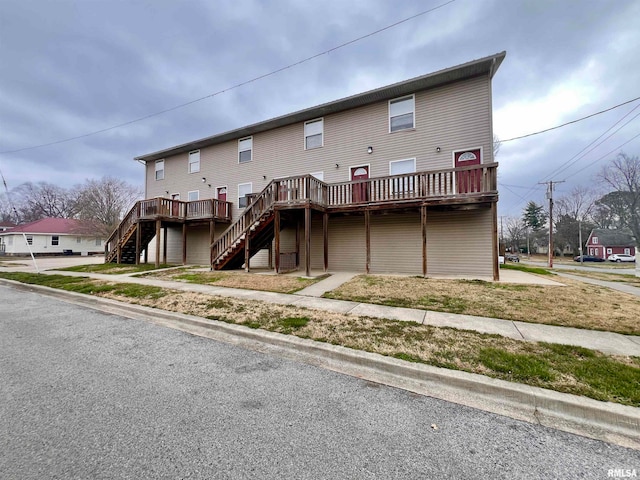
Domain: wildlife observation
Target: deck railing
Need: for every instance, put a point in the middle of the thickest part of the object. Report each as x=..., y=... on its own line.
x=452, y=182
x=168, y=208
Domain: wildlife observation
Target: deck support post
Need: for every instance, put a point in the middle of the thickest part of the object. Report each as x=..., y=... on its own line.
x=494, y=241
x=212, y=238
x=270, y=257
x=158, y=240
x=297, y=242
x=146, y=254
x=164, y=246
x=138, y=240
x=184, y=243
x=325, y=234
x=119, y=247
x=276, y=237
x=367, y=228
x=307, y=241
x=423, y=221
x=247, y=251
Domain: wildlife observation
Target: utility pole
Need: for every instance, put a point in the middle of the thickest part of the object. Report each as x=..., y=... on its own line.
x=550, y=184
x=580, y=240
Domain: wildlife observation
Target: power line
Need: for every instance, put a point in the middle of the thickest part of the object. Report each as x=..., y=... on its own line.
x=238, y=85
x=571, y=122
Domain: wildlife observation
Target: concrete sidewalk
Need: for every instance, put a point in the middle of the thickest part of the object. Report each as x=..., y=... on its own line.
x=621, y=287
x=607, y=342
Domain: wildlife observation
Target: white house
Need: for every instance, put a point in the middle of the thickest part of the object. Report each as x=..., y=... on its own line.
x=52, y=236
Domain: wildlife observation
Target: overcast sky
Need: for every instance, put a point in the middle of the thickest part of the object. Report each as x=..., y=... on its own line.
x=69, y=68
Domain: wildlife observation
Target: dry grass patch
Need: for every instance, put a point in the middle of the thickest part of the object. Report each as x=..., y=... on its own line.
x=629, y=279
x=575, y=305
x=563, y=368
x=250, y=281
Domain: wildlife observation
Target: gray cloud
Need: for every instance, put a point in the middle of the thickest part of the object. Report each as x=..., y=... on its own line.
x=72, y=67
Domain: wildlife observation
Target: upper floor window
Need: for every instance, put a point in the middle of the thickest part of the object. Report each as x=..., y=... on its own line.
x=313, y=133
x=159, y=169
x=245, y=147
x=595, y=240
x=55, y=240
x=194, y=195
x=244, y=189
x=194, y=161
x=401, y=113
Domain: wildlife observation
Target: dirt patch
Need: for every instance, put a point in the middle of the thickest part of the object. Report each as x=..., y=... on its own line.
x=250, y=281
x=576, y=305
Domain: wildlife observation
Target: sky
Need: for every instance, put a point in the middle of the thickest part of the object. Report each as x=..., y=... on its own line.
x=69, y=68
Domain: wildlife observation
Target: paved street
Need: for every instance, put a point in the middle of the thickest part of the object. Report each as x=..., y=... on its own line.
x=90, y=395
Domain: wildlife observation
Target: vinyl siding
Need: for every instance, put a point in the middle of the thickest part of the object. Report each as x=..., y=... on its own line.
x=459, y=243
x=396, y=243
x=42, y=244
x=451, y=117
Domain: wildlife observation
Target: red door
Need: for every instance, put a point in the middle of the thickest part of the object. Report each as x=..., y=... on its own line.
x=222, y=196
x=360, y=191
x=175, y=206
x=468, y=181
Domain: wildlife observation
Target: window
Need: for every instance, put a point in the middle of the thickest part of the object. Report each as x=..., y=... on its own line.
x=245, y=146
x=401, y=113
x=159, y=169
x=609, y=251
x=244, y=189
x=98, y=242
x=402, y=185
x=313, y=133
x=78, y=239
x=595, y=240
x=194, y=195
x=194, y=161
x=29, y=240
x=55, y=240
x=627, y=251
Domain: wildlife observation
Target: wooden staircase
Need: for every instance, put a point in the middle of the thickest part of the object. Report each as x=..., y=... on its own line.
x=255, y=225
x=128, y=243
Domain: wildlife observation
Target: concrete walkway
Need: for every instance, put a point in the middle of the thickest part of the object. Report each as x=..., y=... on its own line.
x=621, y=287
x=607, y=342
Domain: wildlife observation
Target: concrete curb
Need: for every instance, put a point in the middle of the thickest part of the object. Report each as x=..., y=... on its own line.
x=610, y=422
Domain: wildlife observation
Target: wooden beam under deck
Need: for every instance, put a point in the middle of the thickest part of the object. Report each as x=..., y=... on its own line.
x=158, y=228
x=307, y=241
x=276, y=234
x=423, y=221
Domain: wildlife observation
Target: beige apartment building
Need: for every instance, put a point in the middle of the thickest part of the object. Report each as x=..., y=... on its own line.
x=400, y=179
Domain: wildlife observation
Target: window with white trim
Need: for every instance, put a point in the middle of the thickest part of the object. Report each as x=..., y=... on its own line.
x=244, y=189
x=245, y=148
x=193, y=195
x=55, y=240
x=402, y=185
x=159, y=169
x=609, y=251
x=627, y=251
x=194, y=161
x=595, y=240
x=313, y=134
x=401, y=113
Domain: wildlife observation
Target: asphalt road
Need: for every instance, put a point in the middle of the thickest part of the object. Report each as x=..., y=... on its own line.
x=628, y=269
x=90, y=395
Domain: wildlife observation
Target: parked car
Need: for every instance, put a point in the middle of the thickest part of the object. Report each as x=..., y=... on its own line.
x=512, y=257
x=588, y=258
x=621, y=257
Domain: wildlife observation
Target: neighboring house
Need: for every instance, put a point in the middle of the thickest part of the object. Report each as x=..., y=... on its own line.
x=4, y=226
x=398, y=179
x=52, y=236
x=604, y=242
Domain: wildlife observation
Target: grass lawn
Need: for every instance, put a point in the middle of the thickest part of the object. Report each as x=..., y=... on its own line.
x=575, y=305
x=113, y=268
x=563, y=368
x=251, y=281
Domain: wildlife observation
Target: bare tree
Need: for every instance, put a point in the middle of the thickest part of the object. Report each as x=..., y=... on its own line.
x=40, y=200
x=622, y=174
x=496, y=146
x=515, y=233
x=106, y=201
x=578, y=205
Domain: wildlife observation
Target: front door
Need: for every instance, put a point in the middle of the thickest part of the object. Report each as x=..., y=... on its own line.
x=360, y=191
x=175, y=206
x=468, y=181
x=221, y=194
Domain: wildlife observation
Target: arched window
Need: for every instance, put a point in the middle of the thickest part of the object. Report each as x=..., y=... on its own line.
x=467, y=156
